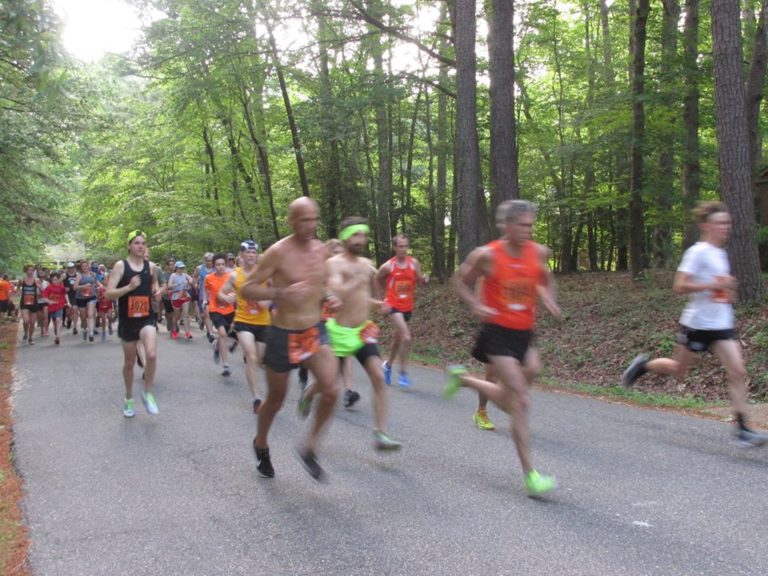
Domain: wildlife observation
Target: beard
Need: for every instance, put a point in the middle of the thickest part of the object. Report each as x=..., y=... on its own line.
x=356, y=249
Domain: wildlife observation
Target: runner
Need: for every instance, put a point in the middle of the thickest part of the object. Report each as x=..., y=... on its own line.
x=56, y=294
x=69, y=280
x=201, y=272
x=514, y=271
x=105, y=309
x=42, y=301
x=167, y=310
x=707, y=321
x=351, y=331
x=6, y=288
x=30, y=292
x=134, y=283
x=85, y=298
x=298, y=270
x=397, y=279
x=252, y=318
x=179, y=285
x=222, y=313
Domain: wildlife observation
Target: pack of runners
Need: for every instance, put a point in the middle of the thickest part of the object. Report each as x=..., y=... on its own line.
x=309, y=305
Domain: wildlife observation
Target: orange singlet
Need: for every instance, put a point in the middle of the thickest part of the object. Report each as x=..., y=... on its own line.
x=511, y=287
x=401, y=285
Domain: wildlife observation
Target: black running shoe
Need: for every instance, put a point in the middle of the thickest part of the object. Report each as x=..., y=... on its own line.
x=350, y=397
x=210, y=337
x=750, y=439
x=139, y=362
x=311, y=465
x=216, y=354
x=303, y=377
x=635, y=369
x=256, y=405
x=263, y=463
x=232, y=346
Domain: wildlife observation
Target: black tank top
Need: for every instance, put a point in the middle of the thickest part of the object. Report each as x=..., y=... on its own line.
x=28, y=294
x=135, y=305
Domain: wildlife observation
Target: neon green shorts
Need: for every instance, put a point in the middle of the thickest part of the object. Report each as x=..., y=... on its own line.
x=347, y=341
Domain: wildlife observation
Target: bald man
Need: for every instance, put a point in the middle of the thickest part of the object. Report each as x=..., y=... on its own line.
x=296, y=270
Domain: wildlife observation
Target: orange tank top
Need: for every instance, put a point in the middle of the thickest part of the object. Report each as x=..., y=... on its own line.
x=511, y=287
x=401, y=285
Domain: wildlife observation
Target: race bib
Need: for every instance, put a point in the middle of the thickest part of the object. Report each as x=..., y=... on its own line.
x=28, y=300
x=519, y=295
x=370, y=333
x=184, y=295
x=303, y=345
x=86, y=291
x=252, y=307
x=403, y=288
x=138, y=306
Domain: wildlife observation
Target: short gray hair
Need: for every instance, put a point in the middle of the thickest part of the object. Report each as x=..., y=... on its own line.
x=511, y=209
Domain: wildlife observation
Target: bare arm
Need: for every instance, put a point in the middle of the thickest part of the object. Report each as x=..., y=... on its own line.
x=421, y=279
x=473, y=268
x=227, y=292
x=547, y=289
x=380, y=280
x=252, y=288
x=685, y=284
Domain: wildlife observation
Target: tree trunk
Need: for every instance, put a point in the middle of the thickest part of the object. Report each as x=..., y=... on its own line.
x=733, y=147
x=755, y=84
x=472, y=213
x=691, y=178
x=501, y=70
x=670, y=88
x=636, y=221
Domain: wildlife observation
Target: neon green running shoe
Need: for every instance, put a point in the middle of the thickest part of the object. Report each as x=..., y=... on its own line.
x=482, y=421
x=149, y=403
x=455, y=372
x=129, y=411
x=538, y=484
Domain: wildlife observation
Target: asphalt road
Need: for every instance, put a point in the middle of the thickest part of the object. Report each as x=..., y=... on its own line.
x=641, y=492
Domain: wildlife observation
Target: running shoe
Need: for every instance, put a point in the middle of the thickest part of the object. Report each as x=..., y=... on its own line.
x=635, y=369
x=539, y=484
x=311, y=465
x=350, y=397
x=455, y=372
x=110, y=330
x=403, y=380
x=304, y=405
x=129, y=411
x=85, y=335
x=74, y=331
x=210, y=337
x=256, y=405
x=303, y=377
x=149, y=403
x=174, y=334
x=56, y=340
x=232, y=346
x=90, y=338
x=103, y=336
x=216, y=354
x=384, y=442
x=750, y=439
x=188, y=335
x=139, y=361
x=226, y=371
x=387, y=373
x=30, y=341
x=482, y=421
x=263, y=463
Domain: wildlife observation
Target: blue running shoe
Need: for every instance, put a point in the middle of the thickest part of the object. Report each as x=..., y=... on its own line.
x=403, y=380
x=387, y=373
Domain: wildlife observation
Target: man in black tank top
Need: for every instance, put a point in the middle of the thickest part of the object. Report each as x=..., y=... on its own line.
x=134, y=284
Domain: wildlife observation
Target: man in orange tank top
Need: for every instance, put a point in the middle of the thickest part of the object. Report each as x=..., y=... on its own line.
x=396, y=279
x=515, y=275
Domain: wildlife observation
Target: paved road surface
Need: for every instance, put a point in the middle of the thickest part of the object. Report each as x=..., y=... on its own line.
x=641, y=492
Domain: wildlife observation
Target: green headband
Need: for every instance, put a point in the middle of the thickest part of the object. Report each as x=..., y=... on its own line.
x=134, y=234
x=350, y=231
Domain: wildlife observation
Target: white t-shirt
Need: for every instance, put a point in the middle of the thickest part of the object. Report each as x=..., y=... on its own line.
x=703, y=262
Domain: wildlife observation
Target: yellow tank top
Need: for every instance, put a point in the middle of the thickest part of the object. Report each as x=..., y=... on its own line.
x=249, y=311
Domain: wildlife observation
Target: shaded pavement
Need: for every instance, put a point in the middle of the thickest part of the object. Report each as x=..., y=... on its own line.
x=641, y=492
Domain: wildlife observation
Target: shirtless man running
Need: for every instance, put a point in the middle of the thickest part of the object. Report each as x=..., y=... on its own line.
x=351, y=331
x=297, y=267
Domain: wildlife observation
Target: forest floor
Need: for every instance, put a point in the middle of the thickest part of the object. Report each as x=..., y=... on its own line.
x=607, y=320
